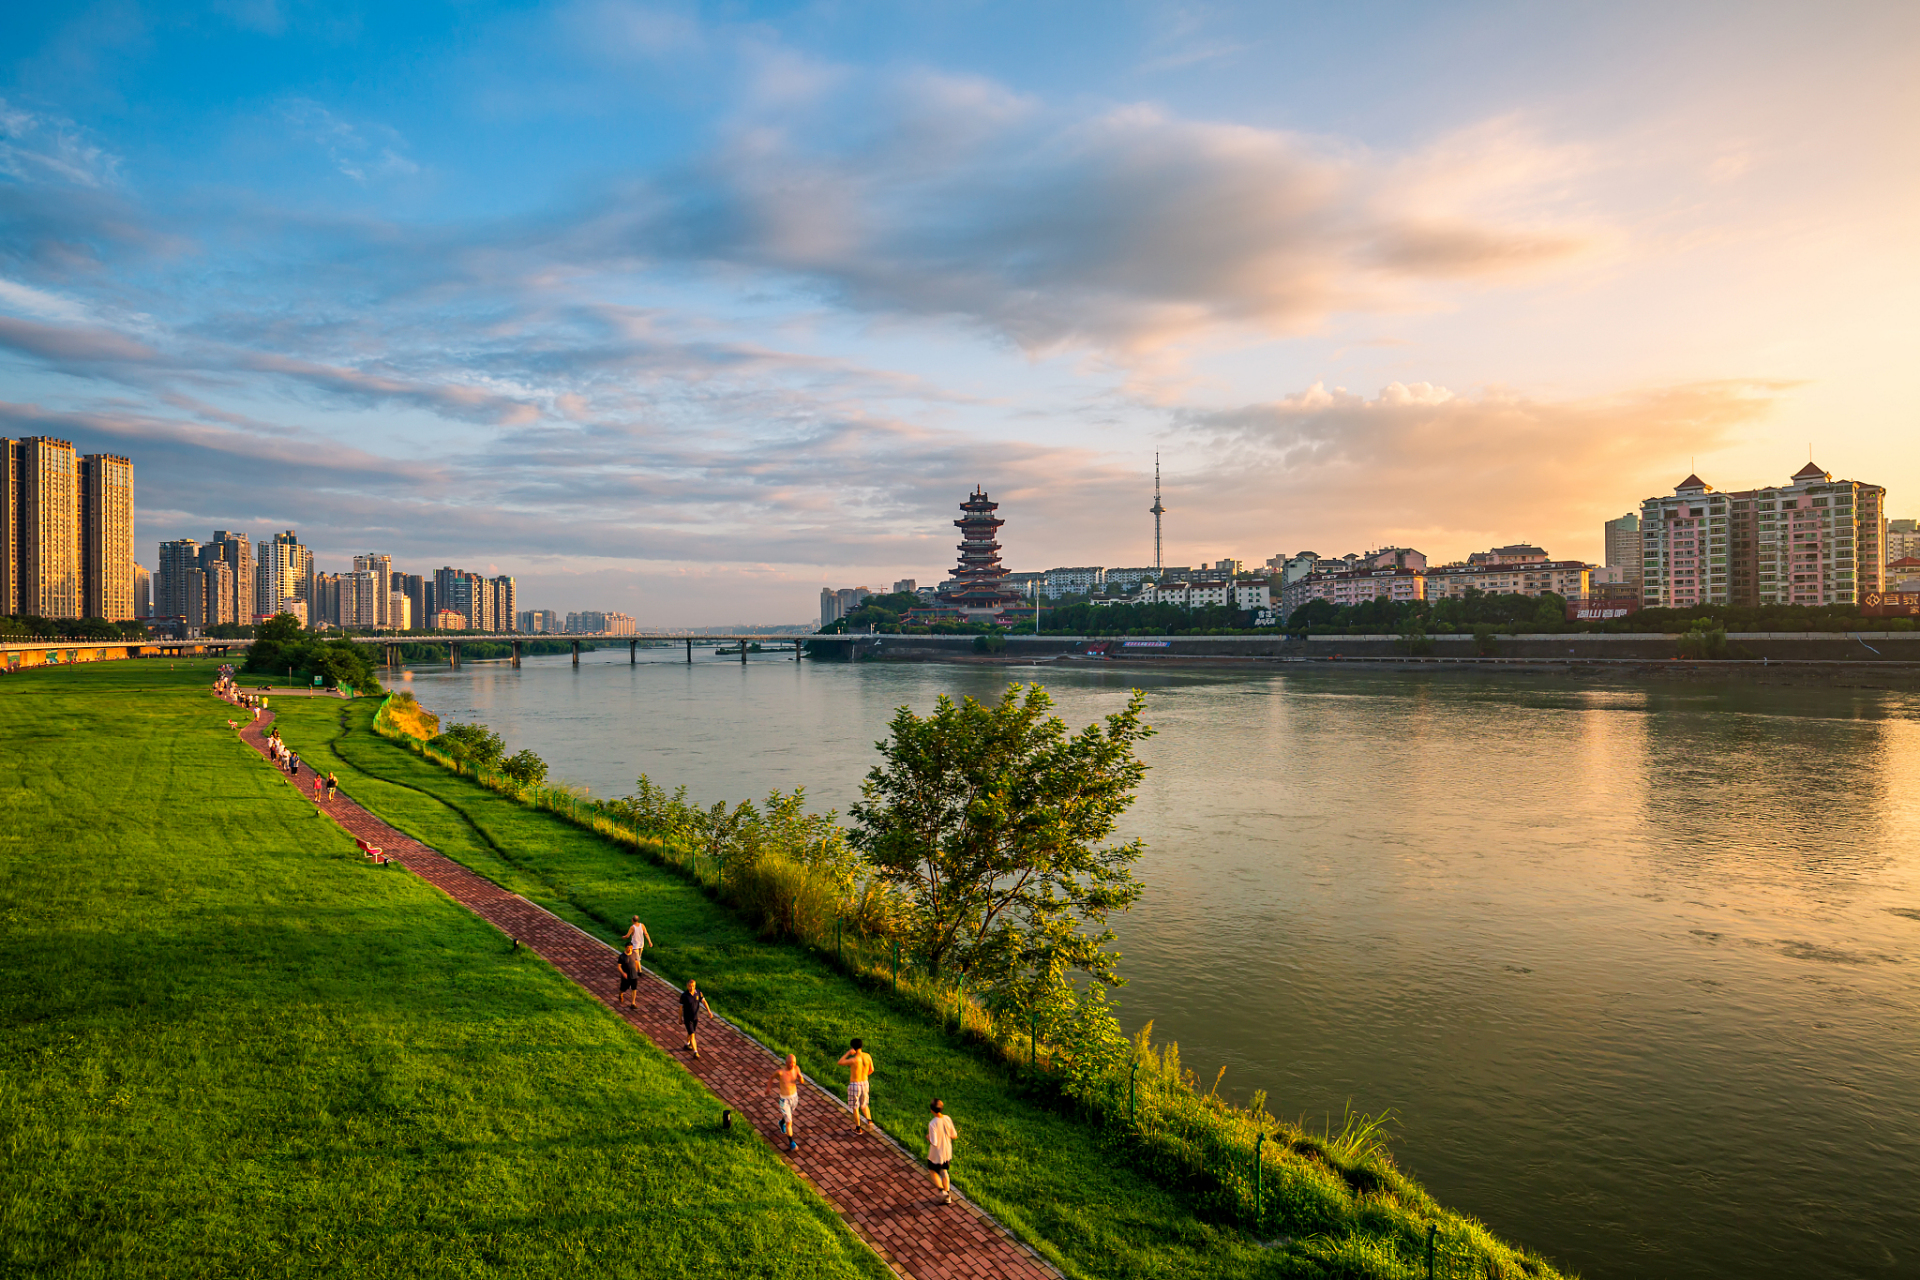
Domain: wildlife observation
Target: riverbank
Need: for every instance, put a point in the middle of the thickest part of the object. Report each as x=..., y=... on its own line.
x=1785, y=674
x=233, y=1048
x=1066, y=1187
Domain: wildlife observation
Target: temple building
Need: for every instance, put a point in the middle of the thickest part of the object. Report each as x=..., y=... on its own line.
x=978, y=592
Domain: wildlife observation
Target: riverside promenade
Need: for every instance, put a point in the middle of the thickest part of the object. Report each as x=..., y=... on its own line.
x=879, y=1189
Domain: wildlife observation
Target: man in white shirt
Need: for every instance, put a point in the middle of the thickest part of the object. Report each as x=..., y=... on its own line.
x=940, y=1136
x=638, y=938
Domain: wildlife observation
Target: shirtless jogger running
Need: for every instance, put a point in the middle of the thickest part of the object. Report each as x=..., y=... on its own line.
x=786, y=1088
x=859, y=1065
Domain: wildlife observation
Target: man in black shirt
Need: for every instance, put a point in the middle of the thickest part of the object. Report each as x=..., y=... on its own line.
x=629, y=977
x=691, y=1003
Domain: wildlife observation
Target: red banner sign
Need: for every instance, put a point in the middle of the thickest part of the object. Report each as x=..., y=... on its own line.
x=1600, y=610
x=1891, y=604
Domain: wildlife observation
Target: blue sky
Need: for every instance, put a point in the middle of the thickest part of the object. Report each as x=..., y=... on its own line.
x=691, y=310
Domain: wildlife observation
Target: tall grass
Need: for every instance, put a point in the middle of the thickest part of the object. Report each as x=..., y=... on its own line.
x=790, y=876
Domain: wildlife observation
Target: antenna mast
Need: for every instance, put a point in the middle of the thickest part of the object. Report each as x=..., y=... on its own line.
x=1157, y=512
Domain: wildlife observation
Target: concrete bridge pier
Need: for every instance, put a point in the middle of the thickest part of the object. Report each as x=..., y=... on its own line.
x=796, y=650
x=576, y=653
x=743, y=651
x=516, y=655
x=633, y=653
x=689, y=652
x=453, y=654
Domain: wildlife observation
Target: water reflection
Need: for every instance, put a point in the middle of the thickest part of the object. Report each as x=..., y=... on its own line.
x=1630, y=962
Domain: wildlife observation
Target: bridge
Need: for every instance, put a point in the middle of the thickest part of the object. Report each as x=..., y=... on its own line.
x=57, y=650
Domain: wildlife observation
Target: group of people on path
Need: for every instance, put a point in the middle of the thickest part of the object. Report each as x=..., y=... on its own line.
x=325, y=788
x=784, y=1087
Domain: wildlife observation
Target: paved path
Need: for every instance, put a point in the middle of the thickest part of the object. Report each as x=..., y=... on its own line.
x=883, y=1192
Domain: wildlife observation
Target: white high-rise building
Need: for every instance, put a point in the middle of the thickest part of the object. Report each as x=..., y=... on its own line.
x=1812, y=541
x=382, y=566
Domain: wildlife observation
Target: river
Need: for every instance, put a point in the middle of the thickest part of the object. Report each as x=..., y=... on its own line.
x=1633, y=965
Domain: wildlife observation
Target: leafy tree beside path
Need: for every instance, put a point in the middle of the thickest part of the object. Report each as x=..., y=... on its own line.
x=990, y=819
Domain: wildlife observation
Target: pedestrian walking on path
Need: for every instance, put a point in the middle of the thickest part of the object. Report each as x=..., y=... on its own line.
x=786, y=1088
x=940, y=1136
x=293, y=765
x=317, y=784
x=692, y=1001
x=639, y=939
x=859, y=1065
x=333, y=785
x=629, y=976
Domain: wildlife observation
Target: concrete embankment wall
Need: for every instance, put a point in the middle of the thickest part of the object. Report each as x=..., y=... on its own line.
x=1775, y=646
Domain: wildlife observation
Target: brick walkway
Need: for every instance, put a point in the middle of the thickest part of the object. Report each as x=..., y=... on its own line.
x=879, y=1188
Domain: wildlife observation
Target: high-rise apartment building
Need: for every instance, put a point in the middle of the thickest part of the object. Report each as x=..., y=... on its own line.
x=506, y=603
x=1623, y=546
x=106, y=536
x=467, y=594
x=1903, y=540
x=237, y=553
x=418, y=591
x=286, y=574
x=1812, y=541
x=11, y=457
x=142, y=592
x=375, y=562
x=175, y=582
x=216, y=577
x=537, y=621
x=323, y=607
x=364, y=597
x=47, y=545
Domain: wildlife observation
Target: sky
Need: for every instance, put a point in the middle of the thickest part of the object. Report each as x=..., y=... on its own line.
x=690, y=310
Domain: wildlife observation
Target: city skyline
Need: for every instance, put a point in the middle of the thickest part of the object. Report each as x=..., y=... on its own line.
x=689, y=313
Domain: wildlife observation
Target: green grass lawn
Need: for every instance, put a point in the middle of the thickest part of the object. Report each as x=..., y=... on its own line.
x=1054, y=1180
x=231, y=1048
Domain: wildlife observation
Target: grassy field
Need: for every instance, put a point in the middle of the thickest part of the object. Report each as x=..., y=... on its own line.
x=1054, y=1180
x=232, y=1049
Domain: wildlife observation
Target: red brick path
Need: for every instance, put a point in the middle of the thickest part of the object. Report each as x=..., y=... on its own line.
x=881, y=1190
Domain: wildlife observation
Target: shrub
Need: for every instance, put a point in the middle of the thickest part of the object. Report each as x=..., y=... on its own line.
x=525, y=768
x=473, y=745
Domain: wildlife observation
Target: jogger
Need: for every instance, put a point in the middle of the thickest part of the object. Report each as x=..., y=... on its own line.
x=859, y=1065
x=940, y=1136
x=786, y=1086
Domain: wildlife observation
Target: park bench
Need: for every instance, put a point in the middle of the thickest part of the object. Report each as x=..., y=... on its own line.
x=373, y=851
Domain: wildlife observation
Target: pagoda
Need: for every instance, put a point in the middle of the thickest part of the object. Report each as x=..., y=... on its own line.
x=978, y=593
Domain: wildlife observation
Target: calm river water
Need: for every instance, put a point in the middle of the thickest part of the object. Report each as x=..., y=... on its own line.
x=1635, y=966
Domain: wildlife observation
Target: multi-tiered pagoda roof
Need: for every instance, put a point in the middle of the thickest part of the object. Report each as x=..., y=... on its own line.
x=979, y=589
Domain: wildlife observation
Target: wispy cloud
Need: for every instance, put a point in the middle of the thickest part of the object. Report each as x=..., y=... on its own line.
x=361, y=152
x=39, y=147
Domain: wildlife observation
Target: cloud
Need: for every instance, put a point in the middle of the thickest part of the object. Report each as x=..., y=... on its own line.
x=1125, y=232
x=40, y=148
x=1418, y=464
x=69, y=344
x=351, y=152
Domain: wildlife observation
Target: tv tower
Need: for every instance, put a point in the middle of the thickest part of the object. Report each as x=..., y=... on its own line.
x=1158, y=511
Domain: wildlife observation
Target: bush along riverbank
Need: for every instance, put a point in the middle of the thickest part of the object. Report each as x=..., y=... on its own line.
x=1334, y=1198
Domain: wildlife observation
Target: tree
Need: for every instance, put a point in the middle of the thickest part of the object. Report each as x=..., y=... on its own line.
x=525, y=768
x=472, y=744
x=990, y=820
